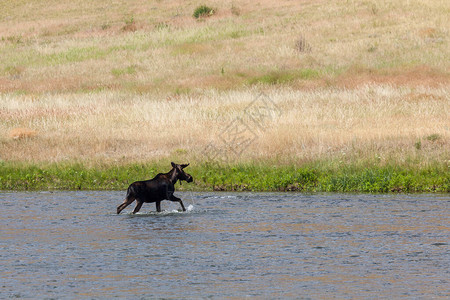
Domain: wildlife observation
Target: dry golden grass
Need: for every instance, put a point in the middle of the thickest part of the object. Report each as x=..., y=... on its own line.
x=135, y=81
x=376, y=122
x=79, y=46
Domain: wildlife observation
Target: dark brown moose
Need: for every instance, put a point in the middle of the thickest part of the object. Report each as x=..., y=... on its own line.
x=157, y=189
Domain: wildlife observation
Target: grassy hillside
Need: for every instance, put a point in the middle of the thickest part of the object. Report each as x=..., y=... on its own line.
x=333, y=86
x=158, y=46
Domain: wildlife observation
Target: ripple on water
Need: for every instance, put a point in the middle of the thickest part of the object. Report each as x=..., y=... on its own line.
x=274, y=245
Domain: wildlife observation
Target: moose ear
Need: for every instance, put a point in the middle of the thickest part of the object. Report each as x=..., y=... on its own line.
x=184, y=166
x=173, y=165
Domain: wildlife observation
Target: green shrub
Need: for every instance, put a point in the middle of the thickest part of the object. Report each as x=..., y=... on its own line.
x=418, y=145
x=433, y=137
x=203, y=11
x=284, y=76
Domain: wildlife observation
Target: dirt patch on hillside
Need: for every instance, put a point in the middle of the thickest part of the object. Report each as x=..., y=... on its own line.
x=417, y=76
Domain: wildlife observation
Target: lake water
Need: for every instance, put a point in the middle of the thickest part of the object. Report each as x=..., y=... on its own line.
x=269, y=245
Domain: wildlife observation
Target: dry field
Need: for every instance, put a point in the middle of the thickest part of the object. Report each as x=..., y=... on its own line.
x=371, y=122
x=126, y=81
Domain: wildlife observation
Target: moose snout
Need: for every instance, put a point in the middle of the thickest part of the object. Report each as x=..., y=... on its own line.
x=189, y=179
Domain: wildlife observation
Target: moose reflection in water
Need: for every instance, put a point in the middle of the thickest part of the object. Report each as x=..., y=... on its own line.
x=157, y=189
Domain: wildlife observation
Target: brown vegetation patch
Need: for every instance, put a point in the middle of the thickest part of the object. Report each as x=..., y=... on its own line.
x=417, y=76
x=130, y=25
x=22, y=133
x=418, y=97
x=58, y=84
x=427, y=32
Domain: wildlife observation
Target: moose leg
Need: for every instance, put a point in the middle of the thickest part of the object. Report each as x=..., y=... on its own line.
x=176, y=199
x=125, y=203
x=138, y=206
x=158, y=206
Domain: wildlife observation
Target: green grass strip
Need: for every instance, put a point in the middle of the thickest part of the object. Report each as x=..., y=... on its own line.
x=239, y=177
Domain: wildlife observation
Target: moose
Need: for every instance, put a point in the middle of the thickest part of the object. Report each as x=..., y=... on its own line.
x=161, y=187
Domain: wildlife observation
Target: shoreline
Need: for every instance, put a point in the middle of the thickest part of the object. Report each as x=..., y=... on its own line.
x=252, y=177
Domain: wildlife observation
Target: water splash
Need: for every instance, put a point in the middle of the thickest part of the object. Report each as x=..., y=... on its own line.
x=188, y=209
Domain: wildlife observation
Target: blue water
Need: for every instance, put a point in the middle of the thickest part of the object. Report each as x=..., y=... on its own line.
x=271, y=245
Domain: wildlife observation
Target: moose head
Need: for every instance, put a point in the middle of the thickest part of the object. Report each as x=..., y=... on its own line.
x=179, y=174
